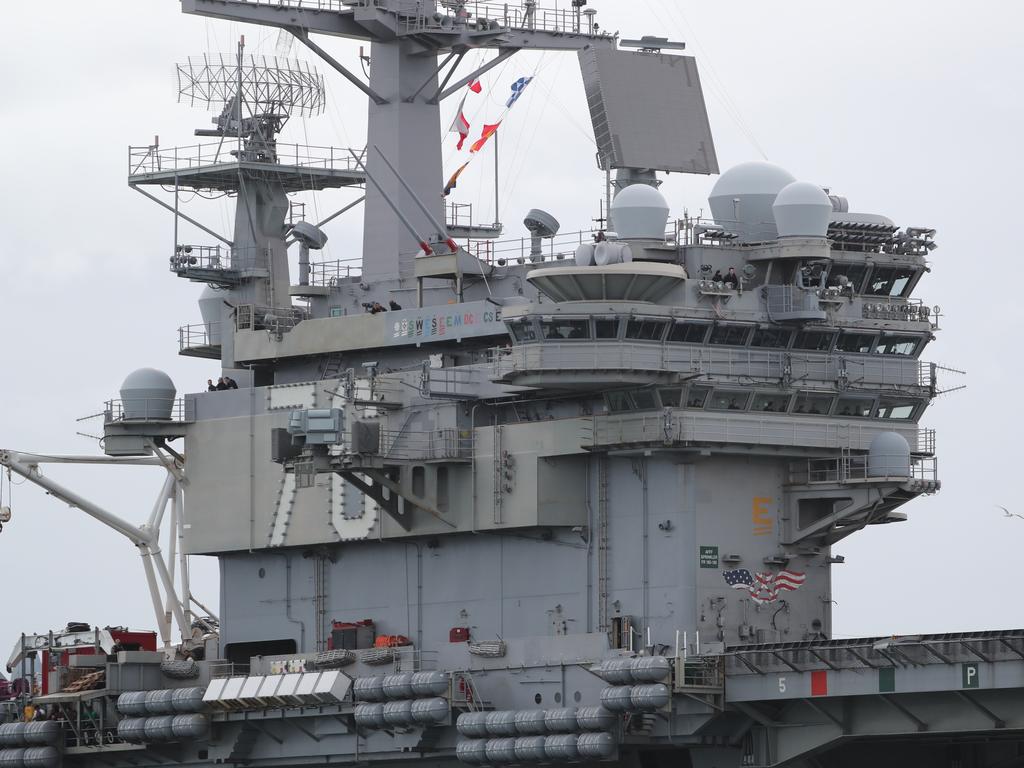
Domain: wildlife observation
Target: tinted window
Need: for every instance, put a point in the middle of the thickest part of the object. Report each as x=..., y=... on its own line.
x=606, y=329
x=670, y=398
x=696, y=397
x=889, y=281
x=557, y=330
x=861, y=343
x=767, y=402
x=895, y=409
x=524, y=332
x=776, y=338
x=855, y=407
x=809, y=403
x=854, y=274
x=646, y=330
x=818, y=341
x=692, y=333
x=725, y=400
x=644, y=399
x=618, y=402
x=734, y=335
x=898, y=345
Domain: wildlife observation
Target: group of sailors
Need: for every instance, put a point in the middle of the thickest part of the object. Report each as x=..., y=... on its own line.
x=730, y=278
x=224, y=382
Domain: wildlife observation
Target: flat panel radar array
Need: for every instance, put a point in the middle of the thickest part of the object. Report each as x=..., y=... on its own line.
x=662, y=126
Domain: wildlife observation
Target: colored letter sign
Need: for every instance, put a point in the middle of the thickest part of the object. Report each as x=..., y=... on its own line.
x=760, y=516
x=708, y=557
x=819, y=683
x=970, y=675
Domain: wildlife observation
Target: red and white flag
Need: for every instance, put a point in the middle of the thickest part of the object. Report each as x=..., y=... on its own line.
x=460, y=125
x=488, y=131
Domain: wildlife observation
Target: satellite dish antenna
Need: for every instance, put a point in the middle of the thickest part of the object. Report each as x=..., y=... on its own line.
x=540, y=224
x=309, y=237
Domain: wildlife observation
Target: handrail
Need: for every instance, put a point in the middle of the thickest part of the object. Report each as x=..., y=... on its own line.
x=156, y=159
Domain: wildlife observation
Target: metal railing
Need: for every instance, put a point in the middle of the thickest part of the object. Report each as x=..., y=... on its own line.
x=198, y=335
x=763, y=366
x=521, y=15
x=876, y=652
x=216, y=257
x=330, y=273
x=858, y=469
x=669, y=427
x=157, y=159
x=431, y=445
x=517, y=250
x=149, y=409
x=251, y=317
x=228, y=669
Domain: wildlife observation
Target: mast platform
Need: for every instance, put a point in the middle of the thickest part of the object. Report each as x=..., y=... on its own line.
x=215, y=166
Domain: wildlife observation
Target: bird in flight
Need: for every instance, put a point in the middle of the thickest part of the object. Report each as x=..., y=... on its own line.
x=1008, y=513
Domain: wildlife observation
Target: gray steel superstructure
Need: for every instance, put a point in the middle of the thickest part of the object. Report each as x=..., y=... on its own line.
x=569, y=498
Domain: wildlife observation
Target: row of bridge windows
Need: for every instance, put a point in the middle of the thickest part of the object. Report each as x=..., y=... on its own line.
x=728, y=399
x=720, y=334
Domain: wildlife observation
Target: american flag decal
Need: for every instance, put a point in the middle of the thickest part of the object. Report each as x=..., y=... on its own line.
x=764, y=587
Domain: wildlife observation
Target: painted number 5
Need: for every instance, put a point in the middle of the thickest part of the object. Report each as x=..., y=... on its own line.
x=782, y=685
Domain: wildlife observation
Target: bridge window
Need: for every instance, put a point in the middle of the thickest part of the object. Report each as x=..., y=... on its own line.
x=890, y=281
x=689, y=333
x=644, y=400
x=523, y=331
x=733, y=335
x=728, y=400
x=670, y=398
x=816, y=341
x=606, y=328
x=696, y=397
x=619, y=402
x=565, y=329
x=898, y=345
x=812, y=404
x=772, y=338
x=889, y=408
x=645, y=329
x=853, y=272
x=770, y=402
x=859, y=343
x=855, y=407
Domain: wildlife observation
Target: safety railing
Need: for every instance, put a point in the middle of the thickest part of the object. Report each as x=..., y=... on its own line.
x=430, y=445
x=861, y=469
x=671, y=426
x=228, y=669
x=215, y=258
x=156, y=159
x=501, y=253
x=875, y=652
x=514, y=15
x=251, y=317
x=766, y=367
x=142, y=408
x=330, y=273
x=198, y=335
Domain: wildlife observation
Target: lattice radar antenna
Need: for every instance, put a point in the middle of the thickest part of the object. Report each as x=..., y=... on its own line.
x=271, y=86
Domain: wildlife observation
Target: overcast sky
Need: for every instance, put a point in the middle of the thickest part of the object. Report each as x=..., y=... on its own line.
x=911, y=109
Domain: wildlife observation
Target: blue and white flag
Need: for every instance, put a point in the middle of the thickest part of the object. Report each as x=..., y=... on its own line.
x=517, y=90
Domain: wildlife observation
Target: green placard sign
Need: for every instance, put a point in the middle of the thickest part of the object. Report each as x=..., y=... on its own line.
x=970, y=676
x=886, y=680
x=708, y=557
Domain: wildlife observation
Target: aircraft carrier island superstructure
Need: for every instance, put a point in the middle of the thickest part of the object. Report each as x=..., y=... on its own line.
x=561, y=499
